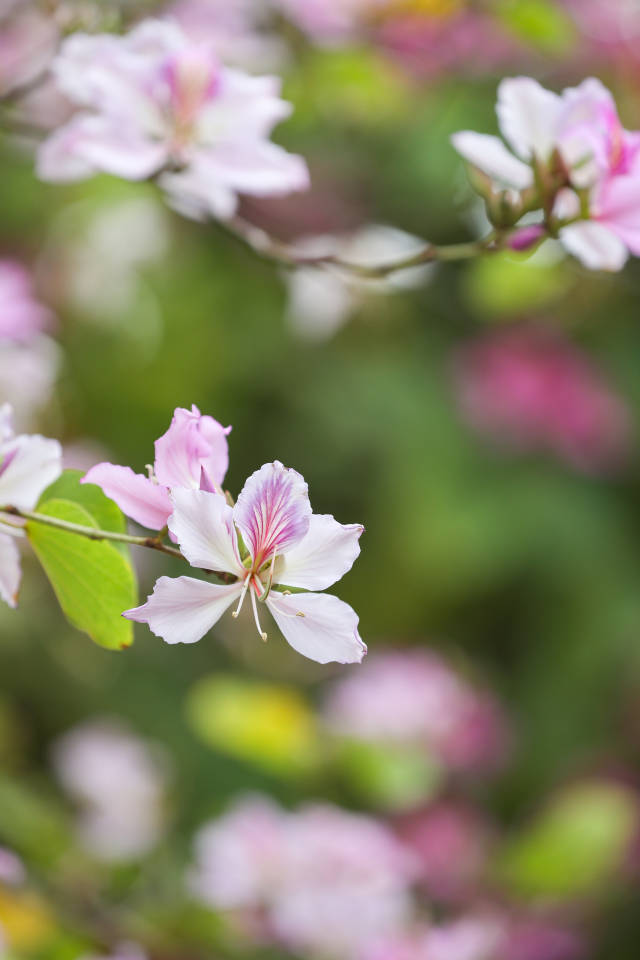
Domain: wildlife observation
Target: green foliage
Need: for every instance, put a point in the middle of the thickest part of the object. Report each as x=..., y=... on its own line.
x=93, y=581
x=574, y=847
x=540, y=23
x=105, y=513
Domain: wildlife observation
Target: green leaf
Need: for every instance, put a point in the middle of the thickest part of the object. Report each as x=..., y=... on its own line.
x=540, y=23
x=92, y=580
x=106, y=514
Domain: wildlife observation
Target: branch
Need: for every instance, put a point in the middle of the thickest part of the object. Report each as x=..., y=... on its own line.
x=286, y=255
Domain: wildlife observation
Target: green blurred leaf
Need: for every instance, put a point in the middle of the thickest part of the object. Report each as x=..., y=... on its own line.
x=541, y=23
x=93, y=582
x=575, y=846
x=106, y=514
x=271, y=726
x=507, y=284
x=396, y=778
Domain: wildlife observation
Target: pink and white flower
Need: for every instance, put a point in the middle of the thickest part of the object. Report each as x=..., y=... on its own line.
x=155, y=102
x=28, y=41
x=193, y=453
x=28, y=464
x=602, y=162
x=273, y=544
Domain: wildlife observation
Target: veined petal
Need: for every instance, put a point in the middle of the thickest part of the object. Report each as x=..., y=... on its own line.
x=182, y=610
x=528, y=116
x=273, y=511
x=137, y=496
x=202, y=523
x=318, y=626
x=33, y=463
x=192, y=442
x=491, y=156
x=10, y=573
x=617, y=206
x=595, y=245
x=326, y=553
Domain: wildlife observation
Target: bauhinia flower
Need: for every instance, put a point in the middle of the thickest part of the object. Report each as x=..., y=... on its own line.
x=274, y=546
x=22, y=317
x=156, y=102
x=576, y=136
x=193, y=453
x=28, y=464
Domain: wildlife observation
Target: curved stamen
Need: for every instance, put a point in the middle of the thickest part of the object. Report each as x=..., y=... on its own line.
x=236, y=612
x=263, y=635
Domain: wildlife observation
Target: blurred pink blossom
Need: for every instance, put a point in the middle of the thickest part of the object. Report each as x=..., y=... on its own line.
x=532, y=390
x=328, y=882
x=531, y=938
x=28, y=41
x=450, y=842
x=472, y=937
x=156, y=102
x=415, y=697
x=12, y=871
x=236, y=32
x=329, y=21
x=119, y=782
x=22, y=316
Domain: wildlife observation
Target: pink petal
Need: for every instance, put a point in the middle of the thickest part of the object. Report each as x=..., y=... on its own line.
x=491, y=156
x=191, y=443
x=137, y=496
x=595, y=245
x=318, y=626
x=273, y=511
x=182, y=610
x=528, y=116
x=326, y=553
x=10, y=573
x=30, y=464
x=617, y=206
x=259, y=168
x=202, y=524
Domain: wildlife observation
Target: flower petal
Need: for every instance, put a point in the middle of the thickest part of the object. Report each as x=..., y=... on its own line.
x=191, y=443
x=326, y=553
x=273, y=511
x=32, y=463
x=259, y=168
x=10, y=572
x=595, y=245
x=318, y=626
x=182, y=610
x=491, y=156
x=617, y=206
x=137, y=496
x=528, y=116
x=202, y=523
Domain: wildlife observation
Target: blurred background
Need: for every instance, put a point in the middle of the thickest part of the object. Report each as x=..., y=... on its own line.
x=472, y=791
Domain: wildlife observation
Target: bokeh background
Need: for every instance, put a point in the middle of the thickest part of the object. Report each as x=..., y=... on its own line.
x=480, y=419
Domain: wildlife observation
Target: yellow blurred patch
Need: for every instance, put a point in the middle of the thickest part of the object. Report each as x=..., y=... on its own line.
x=268, y=725
x=425, y=8
x=25, y=919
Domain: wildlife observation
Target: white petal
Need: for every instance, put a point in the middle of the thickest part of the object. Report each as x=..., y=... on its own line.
x=326, y=553
x=10, y=573
x=318, y=626
x=182, y=610
x=491, y=156
x=202, y=523
x=35, y=463
x=528, y=116
x=595, y=245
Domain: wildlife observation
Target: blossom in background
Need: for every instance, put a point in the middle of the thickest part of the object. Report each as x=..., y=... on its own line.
x=156, y=102
x=600, y=156
x=22, y=316
x=119, y=782
x=28, y=464
x=321, y=301
x=329, y=22
x=28, y=42
x=328, y=882
x=472, y=937
x=12, y=871
x=530, y=389
x=236, y=32
x=414, y=697
x=287, y=547
x=451, y=843
x=123, y=951
x=193, y=453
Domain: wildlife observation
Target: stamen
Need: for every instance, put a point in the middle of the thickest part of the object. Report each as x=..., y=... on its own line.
x=236, y=612
x=263, y=635
x=267, y=590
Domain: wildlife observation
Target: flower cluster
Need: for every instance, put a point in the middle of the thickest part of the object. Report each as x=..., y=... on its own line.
x=569, y=156
x=269, y=545
x=158, y=103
